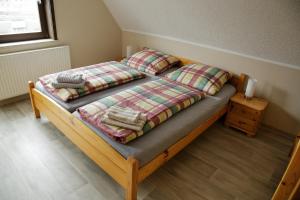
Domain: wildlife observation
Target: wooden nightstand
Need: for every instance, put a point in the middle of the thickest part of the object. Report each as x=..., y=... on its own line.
x=245, y=114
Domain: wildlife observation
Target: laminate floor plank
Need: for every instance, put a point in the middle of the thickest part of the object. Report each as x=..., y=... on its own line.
x=171, y=187
x=86, y=192
x=30, y=170
x=37, y=162
x=5, y=125
x=257, y=170
x=101, y=182
x=195, y=164
x=248, y=188
x=195, y=181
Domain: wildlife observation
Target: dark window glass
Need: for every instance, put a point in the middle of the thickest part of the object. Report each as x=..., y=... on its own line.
x=22, y=20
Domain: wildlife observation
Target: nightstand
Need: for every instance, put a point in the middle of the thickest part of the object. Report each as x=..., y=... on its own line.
x=245, y=114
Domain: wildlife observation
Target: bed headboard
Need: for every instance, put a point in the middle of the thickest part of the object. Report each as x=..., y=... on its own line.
x=238, y=81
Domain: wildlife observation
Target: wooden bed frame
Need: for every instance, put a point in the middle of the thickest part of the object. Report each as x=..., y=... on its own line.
x=126, y=172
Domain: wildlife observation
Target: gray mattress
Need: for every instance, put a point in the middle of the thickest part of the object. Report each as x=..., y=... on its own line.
x=71, y=106
x=160, y=138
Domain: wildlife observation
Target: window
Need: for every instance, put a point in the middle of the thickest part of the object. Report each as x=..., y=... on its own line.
x=22, y=20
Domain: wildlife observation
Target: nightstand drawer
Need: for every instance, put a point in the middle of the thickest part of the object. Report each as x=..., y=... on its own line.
x=244, y=112
x=242, y=123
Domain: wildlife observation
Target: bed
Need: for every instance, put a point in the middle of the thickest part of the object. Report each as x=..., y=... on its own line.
x=130, y=164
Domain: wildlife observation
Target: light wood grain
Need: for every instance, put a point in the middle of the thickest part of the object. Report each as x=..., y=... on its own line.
x=239, y=122
x=34, y=108
x=295, y=194
x=288, y=187
x=132, y=177
x=244, y=111
x=297, y=139
x=254, y=103
x=245, y=114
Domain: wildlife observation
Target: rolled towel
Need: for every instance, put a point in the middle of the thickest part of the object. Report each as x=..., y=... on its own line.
x=136, y=127
x=68, y=85
x=69, y=78
x=125, y=115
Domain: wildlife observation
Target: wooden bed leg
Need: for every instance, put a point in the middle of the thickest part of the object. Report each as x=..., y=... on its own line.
x=35, y=110
x=131, y=190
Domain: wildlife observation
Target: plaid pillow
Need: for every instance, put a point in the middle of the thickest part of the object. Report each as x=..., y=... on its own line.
x=203, y=77
x=151, y=61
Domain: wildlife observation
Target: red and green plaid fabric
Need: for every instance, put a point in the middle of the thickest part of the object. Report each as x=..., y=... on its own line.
x=151, y=61
x=158, y=100
x=202, y=77
x=97, y=77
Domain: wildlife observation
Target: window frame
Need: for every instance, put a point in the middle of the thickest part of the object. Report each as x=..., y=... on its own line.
x=44, y=18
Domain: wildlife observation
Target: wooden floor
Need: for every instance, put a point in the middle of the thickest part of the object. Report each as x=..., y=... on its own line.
x=38, y=163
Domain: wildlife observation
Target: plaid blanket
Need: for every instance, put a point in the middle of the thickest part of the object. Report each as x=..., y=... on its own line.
x=97, y=77
x=203, y=77
x=158, y=100
x=151, y=61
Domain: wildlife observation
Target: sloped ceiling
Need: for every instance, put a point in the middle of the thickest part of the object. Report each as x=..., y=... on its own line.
x=267, y=29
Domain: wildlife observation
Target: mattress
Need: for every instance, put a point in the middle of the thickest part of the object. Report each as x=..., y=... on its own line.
x=71, y=106
x=163, y=136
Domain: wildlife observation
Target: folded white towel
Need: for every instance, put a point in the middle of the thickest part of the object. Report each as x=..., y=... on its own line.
x=73, y=78
x=136, y=127
x=68, y=85
x=125, y=115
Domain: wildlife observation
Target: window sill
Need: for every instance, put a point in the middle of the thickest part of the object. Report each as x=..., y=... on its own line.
x=28, y=45
x=12, y=44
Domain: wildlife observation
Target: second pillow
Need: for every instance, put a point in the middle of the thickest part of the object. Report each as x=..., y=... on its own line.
x=202, y=77
x=151, y=61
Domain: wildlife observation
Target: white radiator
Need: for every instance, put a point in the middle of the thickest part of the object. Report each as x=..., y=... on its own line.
x=16, y=69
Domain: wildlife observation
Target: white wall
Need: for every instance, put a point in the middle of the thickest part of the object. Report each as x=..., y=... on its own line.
x=277, y=83
x=87, y=27
x=268, y=29
x=257, y=37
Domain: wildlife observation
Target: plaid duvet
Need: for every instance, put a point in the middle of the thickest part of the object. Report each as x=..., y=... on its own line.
x=151, y=61
x=158, y=100
x=97, y=77
x=203, y=77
